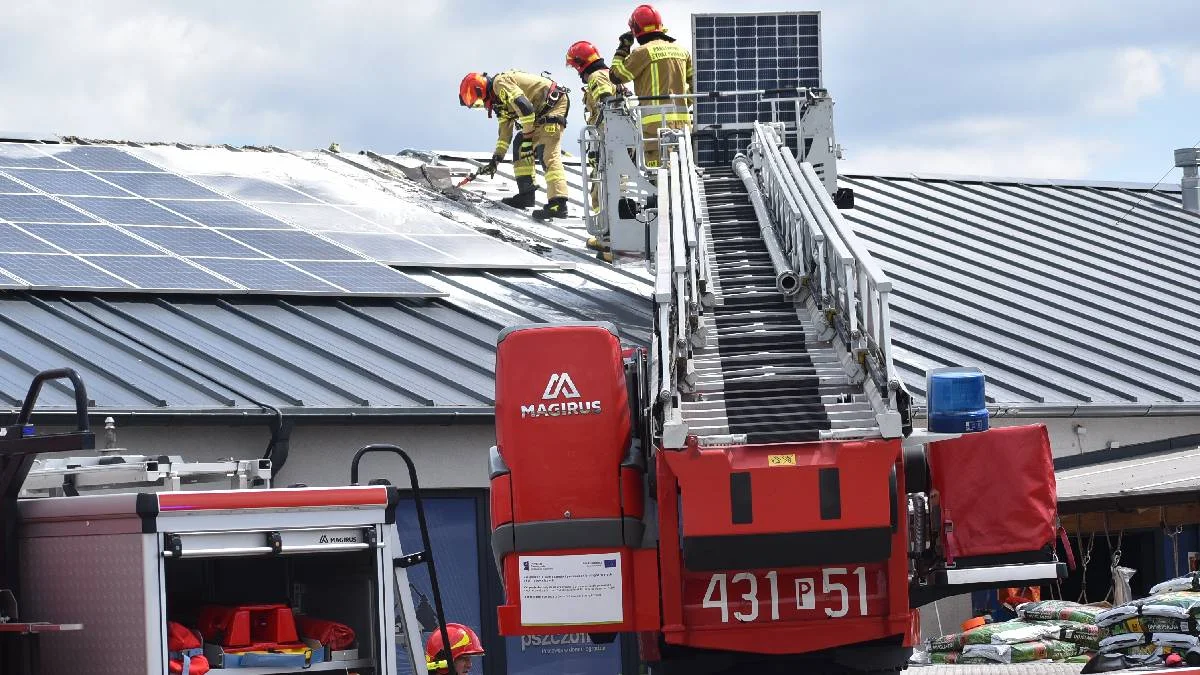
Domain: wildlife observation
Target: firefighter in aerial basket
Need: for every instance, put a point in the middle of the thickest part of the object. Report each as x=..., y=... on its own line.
x=464, y=644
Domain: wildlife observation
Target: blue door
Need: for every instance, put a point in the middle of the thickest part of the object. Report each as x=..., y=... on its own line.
x=457, y=523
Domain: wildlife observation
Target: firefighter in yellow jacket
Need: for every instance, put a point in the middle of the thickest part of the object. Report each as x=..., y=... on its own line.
x=658, y=68
x=597, y=87
x=541, y=107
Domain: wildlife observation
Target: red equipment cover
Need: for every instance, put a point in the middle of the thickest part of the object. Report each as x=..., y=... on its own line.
x=331, y=634
x=997, y=489
x=562, y=421
x=249, y=627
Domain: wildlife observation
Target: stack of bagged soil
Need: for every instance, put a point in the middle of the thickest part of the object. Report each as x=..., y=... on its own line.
x=1162, y=623
x=1049, y=630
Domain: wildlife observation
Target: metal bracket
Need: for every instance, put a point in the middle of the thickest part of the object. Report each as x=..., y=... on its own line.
x=412, y=559
x=275, y=541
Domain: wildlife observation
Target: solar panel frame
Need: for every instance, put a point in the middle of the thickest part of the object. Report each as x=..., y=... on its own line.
x=750, y=51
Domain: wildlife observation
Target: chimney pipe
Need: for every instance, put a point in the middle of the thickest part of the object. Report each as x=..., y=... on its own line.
x=1189, y=160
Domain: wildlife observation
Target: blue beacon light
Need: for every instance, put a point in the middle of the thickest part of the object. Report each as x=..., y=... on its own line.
x=957, y=402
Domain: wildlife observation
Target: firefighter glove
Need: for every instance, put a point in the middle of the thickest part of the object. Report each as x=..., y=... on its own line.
x=489, y=169
x=625, y=42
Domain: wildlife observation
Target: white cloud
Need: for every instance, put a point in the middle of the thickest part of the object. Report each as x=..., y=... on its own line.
x=1187, y=65
x=1127, y=78
x=1020, y=156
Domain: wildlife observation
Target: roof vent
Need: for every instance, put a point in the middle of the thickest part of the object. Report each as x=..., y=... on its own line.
x=1189, y=159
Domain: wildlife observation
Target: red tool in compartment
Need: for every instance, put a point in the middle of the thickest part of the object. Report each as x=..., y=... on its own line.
x=244, y=628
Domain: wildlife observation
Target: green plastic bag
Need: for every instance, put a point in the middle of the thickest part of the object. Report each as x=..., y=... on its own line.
x=1059, y=610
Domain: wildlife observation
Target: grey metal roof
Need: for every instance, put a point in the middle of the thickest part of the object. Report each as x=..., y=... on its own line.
x=1065, y=294
x=319, y=356
x=1074, y=297
x=1142, y=478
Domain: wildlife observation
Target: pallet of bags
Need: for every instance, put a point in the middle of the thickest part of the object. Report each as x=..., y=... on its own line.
x=1060, y=610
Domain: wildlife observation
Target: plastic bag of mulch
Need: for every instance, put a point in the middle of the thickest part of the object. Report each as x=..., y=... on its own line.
x=1059, y=610
x=957, y=658
x=1083, y=634
x=1191, y=582
x=1172, y=605
x=1041, y=650
x=1152, y=624
x=1005, y=632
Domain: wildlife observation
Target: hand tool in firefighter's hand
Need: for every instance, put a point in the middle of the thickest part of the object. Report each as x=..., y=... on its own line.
x=468, y=179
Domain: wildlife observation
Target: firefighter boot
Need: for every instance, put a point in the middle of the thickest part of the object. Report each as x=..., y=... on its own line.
x=555, y=208
x=524, y=198
x=597, y=244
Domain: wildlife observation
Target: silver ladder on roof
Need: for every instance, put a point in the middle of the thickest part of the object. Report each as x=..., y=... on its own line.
x=771, y=318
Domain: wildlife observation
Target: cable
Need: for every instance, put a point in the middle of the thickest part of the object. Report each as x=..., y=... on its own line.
x=1143, y=197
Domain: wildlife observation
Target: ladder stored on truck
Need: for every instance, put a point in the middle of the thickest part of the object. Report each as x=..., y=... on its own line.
x=775, y=434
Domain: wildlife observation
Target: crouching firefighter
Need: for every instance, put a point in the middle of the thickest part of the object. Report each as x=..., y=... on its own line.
x=540, y=107
x=597, y=88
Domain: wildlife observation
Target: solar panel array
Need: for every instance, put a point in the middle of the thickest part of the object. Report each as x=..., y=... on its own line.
x=113, y=218
x=399, y=232
x=747, y=52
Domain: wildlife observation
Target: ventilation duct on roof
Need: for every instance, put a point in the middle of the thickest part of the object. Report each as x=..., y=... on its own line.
x=1189, y=159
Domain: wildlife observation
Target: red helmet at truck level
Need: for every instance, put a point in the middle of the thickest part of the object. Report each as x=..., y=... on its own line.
x=646, y=19
x=581, y=55
x=472, y=91
x=463, y=642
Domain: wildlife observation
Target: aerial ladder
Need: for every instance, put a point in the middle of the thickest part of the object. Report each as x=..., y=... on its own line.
x=748, y=493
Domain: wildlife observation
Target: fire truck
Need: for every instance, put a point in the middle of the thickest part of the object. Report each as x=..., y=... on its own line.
x=126, y=567
x=748, y=493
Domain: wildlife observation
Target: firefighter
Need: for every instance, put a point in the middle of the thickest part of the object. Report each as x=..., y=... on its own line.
x=597, y=88
x=541, y=107
x=658, y=68
x=464, y=644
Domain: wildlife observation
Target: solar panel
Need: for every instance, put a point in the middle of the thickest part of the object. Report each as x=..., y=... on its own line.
x=322, y=217
x=160, y=272
x=389, y=247
x=57, y=271
x=268, y=273
x=13, y=240
x=223, y=214
x=255, y=189
x=38, y=209
x=98, y=158
x=195, y=241
x=161, y=186
x=10, y=186
x=21, y=155
x=89, y=238
x=750, y=52
x=67, y=183
x=365, y=278
x=128, y=211
x=292, y=245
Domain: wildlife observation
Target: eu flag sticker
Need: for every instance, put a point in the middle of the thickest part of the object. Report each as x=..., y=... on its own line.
x=610, y=563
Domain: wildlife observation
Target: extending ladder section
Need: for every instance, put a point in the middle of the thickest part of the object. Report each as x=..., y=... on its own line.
x=772, y=319
x=762, y=375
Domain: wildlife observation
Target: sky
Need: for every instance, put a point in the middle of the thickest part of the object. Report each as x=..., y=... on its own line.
x=1102, y=89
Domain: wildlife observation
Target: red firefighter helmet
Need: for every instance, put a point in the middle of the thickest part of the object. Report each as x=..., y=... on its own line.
x=463, y=642
x=472, y=91
x=581, y=55
x=646, y=19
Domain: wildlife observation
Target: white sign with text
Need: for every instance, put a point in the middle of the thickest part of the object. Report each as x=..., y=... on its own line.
x=571, y=590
